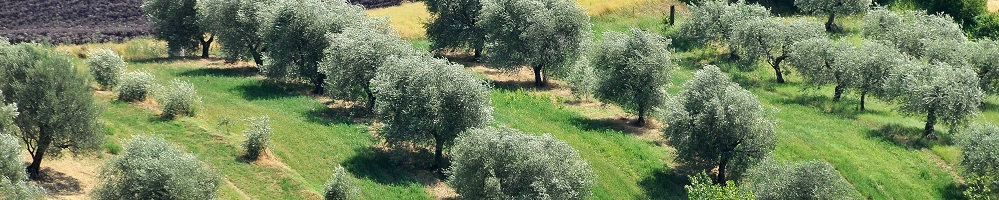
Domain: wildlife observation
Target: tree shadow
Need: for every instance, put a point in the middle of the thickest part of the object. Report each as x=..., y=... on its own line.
x=846, y=108
x=513, y=85
x=665, y=184
x=169, y=59
x=908, y=137
x=264, y=90
x=58, y=183
x=376, y=164
x=337, y=115
x=246, y=71
x=953, y=191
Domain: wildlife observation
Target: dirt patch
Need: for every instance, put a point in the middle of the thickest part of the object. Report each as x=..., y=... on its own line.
x=993, y=6
x=69, y=178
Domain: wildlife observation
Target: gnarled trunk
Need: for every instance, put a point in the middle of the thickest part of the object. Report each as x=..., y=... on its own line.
x=438, y=152
x=257, y=58
x=318, y=84
x=36, y=159
x=830, y=26
x=721, y=170
x=838, y=94
x=539, y=78
x=863, y=96
x=931, y=119
x=206, y=45
x=641, y=116
x=776, y=66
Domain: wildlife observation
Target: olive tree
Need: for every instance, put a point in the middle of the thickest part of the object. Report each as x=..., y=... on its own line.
x=980, y=159
x=503, y=163
x=772, y=39
x=106, y=66
x=817, y=60
x=983, y=56
x=832, y=8
x=806, y=180
x=258, y=136
x=237, y=24
x=56, y=105
x=942, y=92
x=354, y=56
x=713, y=20
x=423, y=100
x=295, y=37
x=870, y=63
x=635, y=70
x=908, y=30
x=547, y=35
x=176, y=22
x=453, y=25
x=150, y=168
x=13, y=178
x=701, y=188
x=341, y=186
x=715, y=123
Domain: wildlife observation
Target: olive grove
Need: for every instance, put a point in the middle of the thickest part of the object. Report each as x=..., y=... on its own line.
x=772, y=39
x=942, y=92
x=236, y=24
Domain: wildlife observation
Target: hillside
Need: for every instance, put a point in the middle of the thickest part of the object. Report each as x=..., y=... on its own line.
x=72, y=21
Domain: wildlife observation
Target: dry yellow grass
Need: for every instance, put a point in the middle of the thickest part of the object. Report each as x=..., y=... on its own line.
x=408, y=18
x=993, y=6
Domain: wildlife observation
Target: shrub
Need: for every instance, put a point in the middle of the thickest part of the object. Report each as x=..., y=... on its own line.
x=341, y=186
x=424, y=100
x=178, y=98
x=980, y=159
x=150, y=168
x=503, y=163
x=634, y=71
x=702, y=188
x=106, y=66
x=257, y=137
x=807, y=180
x=135, y=86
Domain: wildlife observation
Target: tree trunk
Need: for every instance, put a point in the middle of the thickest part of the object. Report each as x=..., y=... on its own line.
x=830, y=26
x=438, y=152
x=641, y=117
x=672, y=14
x=733, y=53
x=838, y=94
x=721, y=170
x=863, y=96
x=206, y=45
x=371, y=97
x=776, y=66
x=257, y=58
x=931, y=119
x=36, y=159
x=538, y=77
x=478, y=53
x=318, y=84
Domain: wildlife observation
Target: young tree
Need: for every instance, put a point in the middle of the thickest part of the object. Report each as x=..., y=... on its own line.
x=106, y=66
x=150, y=168
x=940, y=91
x=702, y=188
x=56, y=105
x=547, y=35
x=237, y=25
x=908, y=30
x=817, y=60
x=716, y=123
x=503, y=163
x=635, y=71
x=176, y=21
x=871, y=62
x=179, y=98
x=453, y=26
x=341, y=186
x=832, y=8
x=258, y=136
x=980, y=159
x=354, y=56
x=772, y=38
x=806, y=180
x=424, y=100
x=295, y=37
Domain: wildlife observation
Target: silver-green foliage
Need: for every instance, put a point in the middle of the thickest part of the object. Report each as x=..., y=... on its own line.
x=503, y=163
x=453, y=26
x=634, y=70
x=940, y=91
x=832, y=8
x=702, y=188
x=55, y=102
x=295, y=36
x=236, y=24
x=423, y=100
x=174, y=21
x=817, y=60
x=150, y=168
x=980, y=159
x=177, y=98
x=772, y=39
x=106, y=66
x=869, y=64
x=13, y=177
x=981, y=55
x=806, y=180
x=258, y=135
x=715, y=123
x=713, y=20
x=908, y=30
x=354, y=56
x=547, y=35
x=341, y=186
x=135, y=86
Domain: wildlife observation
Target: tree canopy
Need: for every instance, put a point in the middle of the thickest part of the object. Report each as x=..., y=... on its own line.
x=237, y=25
x=149, y=168
x=772, y=39
x=908, y=30
x=13, y=178
x=713, y=20
x=870, y=63
x=547, y=35
x=806, y=180
x=176, y=22
x=715, y=123
x=354, y=56
x=832, y=8
x=453, y=26
x=503, y=163
x=942, y=92
x=980, y=159
x=817, y=60
x=635, y=70
x=424, y=100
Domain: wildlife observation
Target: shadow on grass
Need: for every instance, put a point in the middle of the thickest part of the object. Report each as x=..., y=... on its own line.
x=989, y=106
x=953, y=191
x=513, y=85
x=264, y=90
x=846, y=108
x=169, y=59
x=908, y=137
x=378, y=165
x=664, y=184
x=339, y=115
x=222, y=72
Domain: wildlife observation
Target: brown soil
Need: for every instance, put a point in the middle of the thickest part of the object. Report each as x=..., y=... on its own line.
x=68, y=177
x=993, y=6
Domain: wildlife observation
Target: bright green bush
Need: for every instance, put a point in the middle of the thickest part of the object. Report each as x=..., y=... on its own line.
x=258, y=136
x=106, y=66
x=135, y=86
x=702, y=188
x=341, y=186
x=503, y=163
x=177, y=98
x=150, y=168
